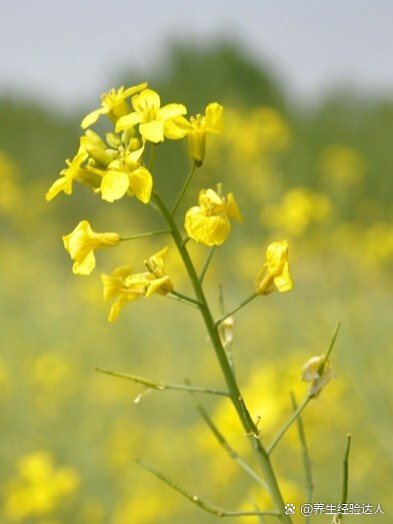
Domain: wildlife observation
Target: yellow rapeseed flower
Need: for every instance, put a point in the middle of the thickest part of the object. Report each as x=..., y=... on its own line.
x=127, y=175
x=208, y=223
x=161, y=283
x=113, y=105
x=277, y=268
x=123, y=286
x=68, y=175
x=150, y=116
x=82, y=242
x=115, y=288
x=196, y=129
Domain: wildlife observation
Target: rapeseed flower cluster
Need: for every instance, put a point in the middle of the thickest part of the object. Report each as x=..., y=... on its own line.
x=116, y=166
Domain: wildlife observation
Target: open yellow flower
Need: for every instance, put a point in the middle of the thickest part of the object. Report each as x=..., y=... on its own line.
x=68, y=175
x=127, y=175
x=113, y=105
x=82, y=242
x=161, y=283
x=126, y=287
x=208, y=223
x=115, y=288
x=150, y=116
x=274, y=275
x=196, y=129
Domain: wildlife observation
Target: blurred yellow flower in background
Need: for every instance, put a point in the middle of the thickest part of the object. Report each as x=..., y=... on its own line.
x=298, y=208
x=38, y=488
x=82, y=242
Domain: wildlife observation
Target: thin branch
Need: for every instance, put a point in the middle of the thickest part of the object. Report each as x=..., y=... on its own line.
x=161, y=386
x=202, y=503
x=289, y=422
x=184, y=188
x=306, y=459
x=186, y=298
x=240, y=306
x=223, y=442
x=178, y=299
x=345, y=470
x=330, y=348
x=145, y=235
x=207, y=263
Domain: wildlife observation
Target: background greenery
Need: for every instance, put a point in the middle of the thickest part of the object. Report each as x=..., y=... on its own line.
x=318, y=175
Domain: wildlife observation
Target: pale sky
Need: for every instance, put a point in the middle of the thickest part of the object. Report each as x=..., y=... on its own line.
x=68, y=51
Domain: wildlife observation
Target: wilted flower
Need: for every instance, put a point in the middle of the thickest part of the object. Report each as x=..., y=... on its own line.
x=208, y=223
x=318, y=377
x=81, y=244
x=274, y=274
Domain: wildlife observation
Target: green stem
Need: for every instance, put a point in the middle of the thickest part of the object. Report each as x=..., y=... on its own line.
x=345, y=471
x=145, y=235
x=202, y=503
x=184, y=188
x=224, y=443
x=306, y=458
x=182, y=300
x=240, y=306
x=185, y=298
x=291, y=419
x=330, y=348
x=161, y=386
x=235, y=395
x=207, y=263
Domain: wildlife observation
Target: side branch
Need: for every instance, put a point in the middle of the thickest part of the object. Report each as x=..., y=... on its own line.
x=161, y=386
x=306, y=458
x=289, y=422
x=202, y=503
x=224, y=443
x=238, y=308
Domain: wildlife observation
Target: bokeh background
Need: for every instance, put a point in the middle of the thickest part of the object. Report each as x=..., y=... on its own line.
x=307, y=150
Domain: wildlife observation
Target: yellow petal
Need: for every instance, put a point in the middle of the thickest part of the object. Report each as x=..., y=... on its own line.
x=134, y=89
x=214, y=121
x=172, y=131
x=85, y=265
x=147, y=102
x=116, y=308
x=232, y=208
x=61, y=184
x=92, y=117
x=153, y=131
x=155, y=285
x=114, y=185
x=208, y=230
x=141, y=183
x=283, y=282
x=171, y=111
x=127, y=121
